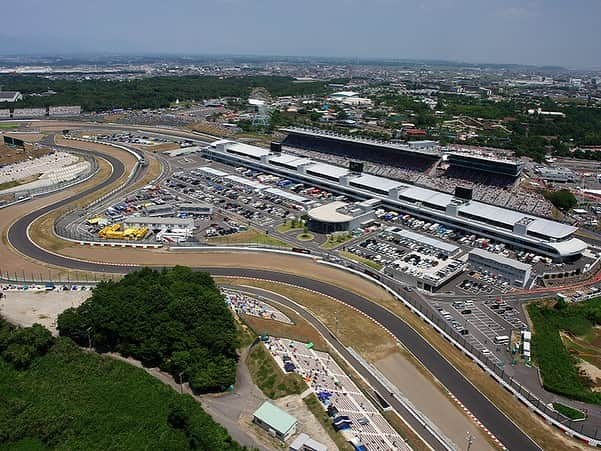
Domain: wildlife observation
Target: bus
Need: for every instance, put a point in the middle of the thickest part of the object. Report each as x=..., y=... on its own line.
x=502, y=340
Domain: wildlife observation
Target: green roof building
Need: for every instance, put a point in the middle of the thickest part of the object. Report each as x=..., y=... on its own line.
x=275, y=421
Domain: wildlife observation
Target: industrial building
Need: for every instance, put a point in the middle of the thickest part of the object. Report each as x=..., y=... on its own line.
x=519, y=230
x=159, y=223
x=275, y=421
x=508, y=269
x=340, y=216
x=561, y=175
x=195, y=209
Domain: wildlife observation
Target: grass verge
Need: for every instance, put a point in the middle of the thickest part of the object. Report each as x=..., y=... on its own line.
x=366, y=261
x=336, y=239
x=288, y=226
x=571, y=413
x=316, y=409
x=250, y=236
x=268, y=376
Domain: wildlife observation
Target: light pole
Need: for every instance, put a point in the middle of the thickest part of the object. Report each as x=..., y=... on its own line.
x=89, y=330
x=470, y=441
x=181, y=384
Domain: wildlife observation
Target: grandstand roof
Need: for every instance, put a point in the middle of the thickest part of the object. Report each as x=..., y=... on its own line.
x=485, y=157
x=246, y=149
x=430, y=196
x=290, y=160
x=573, y=246
x=375, y=182
x=551, y=228
x=328, y=170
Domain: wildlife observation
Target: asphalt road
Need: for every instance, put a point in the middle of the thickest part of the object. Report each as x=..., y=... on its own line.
x=425, y=433
x=501, y=426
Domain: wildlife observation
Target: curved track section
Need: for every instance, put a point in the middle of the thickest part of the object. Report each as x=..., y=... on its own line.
x=500, y=425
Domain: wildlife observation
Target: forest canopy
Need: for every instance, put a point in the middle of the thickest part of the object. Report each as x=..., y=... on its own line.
x=175, y=319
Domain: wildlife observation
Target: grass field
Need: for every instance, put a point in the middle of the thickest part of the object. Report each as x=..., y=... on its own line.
x=316, y=409
x=250, y=236
x=336, y=239
x=73, y=399
x=5, y=126
x=558, y=358
x=268, y=376
x=569, y=412
x=365, y=261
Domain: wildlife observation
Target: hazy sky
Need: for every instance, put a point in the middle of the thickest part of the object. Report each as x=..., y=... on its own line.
x=542, y=32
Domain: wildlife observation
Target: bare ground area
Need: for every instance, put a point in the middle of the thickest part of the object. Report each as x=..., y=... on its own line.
x=25, y=308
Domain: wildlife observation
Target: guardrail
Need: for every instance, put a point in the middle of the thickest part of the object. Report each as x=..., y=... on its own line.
x=408, y=405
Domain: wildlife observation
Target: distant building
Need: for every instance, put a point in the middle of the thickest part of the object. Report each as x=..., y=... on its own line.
x=275, y=421
x=556, y=174
x=10, y=96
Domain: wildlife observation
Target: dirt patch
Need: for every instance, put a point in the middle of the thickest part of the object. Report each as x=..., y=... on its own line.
x=592, y=372
x=25, y=308
x=307, y=423
x=354, y=329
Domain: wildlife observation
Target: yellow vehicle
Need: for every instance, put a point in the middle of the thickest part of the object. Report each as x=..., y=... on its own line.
x=109, y=230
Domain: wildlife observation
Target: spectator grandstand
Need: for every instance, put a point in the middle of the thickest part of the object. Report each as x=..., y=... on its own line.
x=419, y=157
x=49, y=169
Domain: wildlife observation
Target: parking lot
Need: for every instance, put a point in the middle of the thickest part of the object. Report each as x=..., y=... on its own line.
x=350, y=411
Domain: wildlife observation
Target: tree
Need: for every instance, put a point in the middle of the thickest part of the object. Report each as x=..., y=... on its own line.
x=561, y=199
x=175, y=319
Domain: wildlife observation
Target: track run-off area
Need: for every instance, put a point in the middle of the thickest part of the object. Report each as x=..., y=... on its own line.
x=20, y=251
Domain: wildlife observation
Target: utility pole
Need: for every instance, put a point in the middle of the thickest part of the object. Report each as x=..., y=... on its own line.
x=470, y=441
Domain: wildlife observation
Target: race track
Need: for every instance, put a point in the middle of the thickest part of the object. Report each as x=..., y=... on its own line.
x=501, y=426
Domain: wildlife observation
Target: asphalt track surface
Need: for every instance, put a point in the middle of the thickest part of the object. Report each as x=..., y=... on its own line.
x=496, y=422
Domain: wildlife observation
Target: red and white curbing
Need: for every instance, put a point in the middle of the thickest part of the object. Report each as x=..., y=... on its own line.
x=477, y=421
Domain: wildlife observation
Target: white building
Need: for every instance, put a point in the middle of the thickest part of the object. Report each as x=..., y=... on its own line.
x=10, y=96
x=275, y=421
x=305, y=443
x=159, y=223
x=507, y=269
